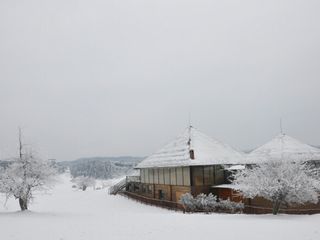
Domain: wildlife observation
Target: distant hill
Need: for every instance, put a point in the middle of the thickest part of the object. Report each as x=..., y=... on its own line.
x=100, y=167
x=5, y=163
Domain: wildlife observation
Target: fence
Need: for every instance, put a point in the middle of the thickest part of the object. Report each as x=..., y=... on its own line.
x=152, y=201
x=249, y=209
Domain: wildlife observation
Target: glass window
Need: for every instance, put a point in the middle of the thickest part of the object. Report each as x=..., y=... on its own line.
x=156, y=176
x=179, y=176
x=142, y=175
x=150, y=175
x=144, y=188
x=186, y=176
x=197, y=176
x=173, y=176
x=219, y=175
x=208, y=175
x=166, y=176
x=161, y=195
x=161, y=176
x=147, y=175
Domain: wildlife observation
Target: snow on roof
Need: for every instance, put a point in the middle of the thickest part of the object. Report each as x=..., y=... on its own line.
x=284, y=147
x=207, y=151
x=134, y=173
x=229, y=186
x=236, y=167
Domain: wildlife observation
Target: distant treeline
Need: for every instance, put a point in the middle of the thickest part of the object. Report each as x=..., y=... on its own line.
x=100, y=167
x=4, y=163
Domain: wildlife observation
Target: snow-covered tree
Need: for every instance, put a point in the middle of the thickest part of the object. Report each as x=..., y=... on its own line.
x=26, y=174
x=83, y=182
x=282, y=182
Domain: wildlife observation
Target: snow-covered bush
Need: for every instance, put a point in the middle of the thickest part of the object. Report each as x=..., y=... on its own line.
x=281, y=182
x=229, y=206
x=209, y=203
x=83, y=182
x=188, y=202
x=205, y=202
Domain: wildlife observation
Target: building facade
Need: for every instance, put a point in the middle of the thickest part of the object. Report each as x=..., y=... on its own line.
x=192, y=163
x=195, y=163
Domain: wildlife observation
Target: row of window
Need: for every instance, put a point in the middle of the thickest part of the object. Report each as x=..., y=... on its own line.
x=207, y=175
x=171, y=176
x=146, y=189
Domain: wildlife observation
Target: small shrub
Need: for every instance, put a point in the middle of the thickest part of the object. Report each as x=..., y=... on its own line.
x=209, y=203
x=188, y=202
x=229, y=206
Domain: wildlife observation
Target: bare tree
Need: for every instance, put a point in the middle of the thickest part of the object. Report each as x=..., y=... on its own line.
x=26, y=174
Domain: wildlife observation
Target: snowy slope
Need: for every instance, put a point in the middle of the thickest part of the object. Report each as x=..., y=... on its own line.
x=282, y=148
x=68, y=214
x=207, y=152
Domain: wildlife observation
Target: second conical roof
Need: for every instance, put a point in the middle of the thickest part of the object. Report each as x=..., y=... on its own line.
x=284, y=148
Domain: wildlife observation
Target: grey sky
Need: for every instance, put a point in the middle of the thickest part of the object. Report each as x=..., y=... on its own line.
x=101, y=77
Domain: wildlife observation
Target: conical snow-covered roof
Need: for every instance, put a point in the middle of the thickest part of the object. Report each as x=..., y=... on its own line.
x=207, y=151
x=284, y=148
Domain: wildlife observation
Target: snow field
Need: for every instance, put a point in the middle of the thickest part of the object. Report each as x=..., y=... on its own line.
x=70, y=214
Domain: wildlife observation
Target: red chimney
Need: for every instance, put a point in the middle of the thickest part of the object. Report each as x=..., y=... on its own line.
x=191, y=154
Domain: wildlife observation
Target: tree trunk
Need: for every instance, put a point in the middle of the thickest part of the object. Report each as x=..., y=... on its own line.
x=84, y=187
x=23, y=204
x=276, y=207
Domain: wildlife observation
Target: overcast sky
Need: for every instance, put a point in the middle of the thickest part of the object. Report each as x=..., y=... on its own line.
x=120, y=77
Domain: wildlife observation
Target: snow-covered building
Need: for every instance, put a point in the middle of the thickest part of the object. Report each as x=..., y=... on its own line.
x=195, y=163
x=192, y=163
x=284, y=148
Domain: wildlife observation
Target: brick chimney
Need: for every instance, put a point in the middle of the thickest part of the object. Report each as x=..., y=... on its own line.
x=191, y=154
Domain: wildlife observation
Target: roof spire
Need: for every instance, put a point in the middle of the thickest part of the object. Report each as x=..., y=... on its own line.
x=189, y=136
x=189, y=120
x=189, y=130
x=191, y=151
x=281, y=130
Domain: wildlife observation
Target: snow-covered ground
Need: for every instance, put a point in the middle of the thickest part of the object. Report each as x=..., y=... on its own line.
x=69, y=214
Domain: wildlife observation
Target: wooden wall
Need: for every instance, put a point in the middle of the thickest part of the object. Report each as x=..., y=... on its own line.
x=166, y=189
x=178, y=191
x=227, y=193
x=171, y=192
x=257, y=205
x=176, y=181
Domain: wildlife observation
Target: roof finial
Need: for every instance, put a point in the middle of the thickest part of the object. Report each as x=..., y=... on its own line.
x=189, y=120
x=189, y=137
x=189, y=130
x=281, y=130
x=191, y=151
